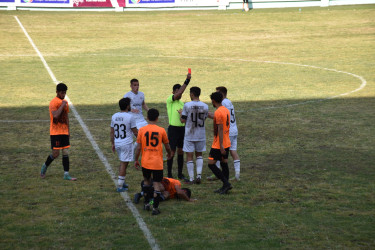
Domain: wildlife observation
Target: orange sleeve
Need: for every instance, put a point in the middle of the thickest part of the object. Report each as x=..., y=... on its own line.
x=219, y=117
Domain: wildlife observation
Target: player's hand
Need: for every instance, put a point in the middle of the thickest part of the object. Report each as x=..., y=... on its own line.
x=136, y=164
x=169, y=156
x=179, y=111
x=135, y=111
x=222, y=150
x=188, y=76
x=64, y=102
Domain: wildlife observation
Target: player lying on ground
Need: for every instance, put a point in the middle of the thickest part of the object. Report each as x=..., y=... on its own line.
x=171, y=189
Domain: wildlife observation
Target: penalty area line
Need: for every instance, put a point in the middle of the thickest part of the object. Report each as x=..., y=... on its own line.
x=142, y=225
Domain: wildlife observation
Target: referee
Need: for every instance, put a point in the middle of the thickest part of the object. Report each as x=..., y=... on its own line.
x=176, y=129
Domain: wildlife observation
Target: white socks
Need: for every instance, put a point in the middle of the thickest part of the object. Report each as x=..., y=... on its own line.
x=218, y=164
x=190, y=168
x=199, y=162
x=237, y=168
x=120, y=181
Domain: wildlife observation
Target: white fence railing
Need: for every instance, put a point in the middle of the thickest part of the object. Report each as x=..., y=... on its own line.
x=139, y=5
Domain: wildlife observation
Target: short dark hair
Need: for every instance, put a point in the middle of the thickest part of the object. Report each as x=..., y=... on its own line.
x=124, y=103
x=133, y=80
x=188, y=191
x=217, y=97
x=222, y=90
x=61, y=87
x=152, y=114
x=176, y=86
x=196, y=91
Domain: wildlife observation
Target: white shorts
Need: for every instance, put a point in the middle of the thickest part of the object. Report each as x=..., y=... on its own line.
x=233, y=142
x=194, y=146
x=125, y=152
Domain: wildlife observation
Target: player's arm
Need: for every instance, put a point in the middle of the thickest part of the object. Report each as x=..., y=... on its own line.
x=183, y=118
x=56, y=113
x=137, y=153
x=181, y=193
x=221, y=137
x=168, y=149
x=67, y=122
x=144, y=106
x=183, y=115
x=112, y=136
x=181, y=90
x=211, y=115
x=166, y=195
x=135, y=131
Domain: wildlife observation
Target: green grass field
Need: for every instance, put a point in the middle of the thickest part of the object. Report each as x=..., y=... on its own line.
x=307, y=159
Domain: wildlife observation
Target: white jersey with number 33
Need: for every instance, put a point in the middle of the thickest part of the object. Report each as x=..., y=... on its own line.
x=122, y=123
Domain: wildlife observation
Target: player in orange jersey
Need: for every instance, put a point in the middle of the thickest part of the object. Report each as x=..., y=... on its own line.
x=171, y=189
x=150, y=141
x=221, y=144
x=59, y=131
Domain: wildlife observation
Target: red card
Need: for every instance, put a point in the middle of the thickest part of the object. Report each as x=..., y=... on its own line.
x=189, y=70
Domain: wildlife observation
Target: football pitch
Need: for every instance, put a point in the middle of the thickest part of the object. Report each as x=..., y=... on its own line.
x=302, y=84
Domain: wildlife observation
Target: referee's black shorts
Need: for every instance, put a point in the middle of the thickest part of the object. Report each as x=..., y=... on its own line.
x=176, y=137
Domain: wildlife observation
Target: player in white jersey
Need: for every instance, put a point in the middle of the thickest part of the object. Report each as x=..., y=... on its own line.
x=233, y=132
x=194, y=114
x=137, y=103
x=123, y=126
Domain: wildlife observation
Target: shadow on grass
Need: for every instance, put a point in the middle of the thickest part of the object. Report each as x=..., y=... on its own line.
x=271, y=131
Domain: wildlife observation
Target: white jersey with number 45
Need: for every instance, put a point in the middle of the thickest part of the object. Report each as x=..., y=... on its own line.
x=233, y=131
x=195, y=114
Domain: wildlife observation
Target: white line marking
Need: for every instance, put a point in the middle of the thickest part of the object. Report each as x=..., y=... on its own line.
x=151, y=240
